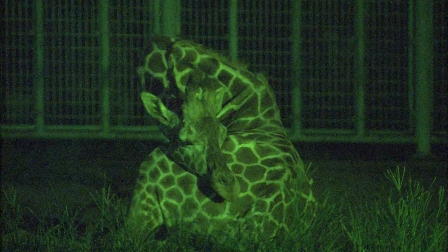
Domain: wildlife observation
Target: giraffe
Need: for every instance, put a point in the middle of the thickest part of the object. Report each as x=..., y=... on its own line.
x=201, y=137
x=251, y=144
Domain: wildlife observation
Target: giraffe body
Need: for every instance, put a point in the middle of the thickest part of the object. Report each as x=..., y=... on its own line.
x=249, y=173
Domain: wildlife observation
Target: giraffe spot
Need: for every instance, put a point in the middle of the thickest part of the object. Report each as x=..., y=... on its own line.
x=256, y=123
x=236, y=168
x=274, y=175
x=174, y=194
x=177, y=51
x=144, y=166
x=271, y=162
x=140, y=185
x=252, y=79
x=264, y=190
x=269, y=113
x=228, y=146
x=213, y=209
x=251, y=107
x=269, y=227
x=237, y=125
x=196, y=76
x=180, y=67
x=145, y=207
x=190, y=207
x=241, y=207
x=202, y=221
x=259, y=219
x=163, y=166
x=225, y=76
x=261, y=206
x=156, y=63
x=154, y=174
x=171, y=208
x=150, y=201
x=209, y=65
x=282, y=229
x=142, y=178
x=177, y=170
x=149, y=190
x=266, y=103
x=167, y=181
x=254, y=173
x=243, y=185
x=156, y=215
x=237, y=87
x=184, y=79
x=278, y=211
x=190, y=56
x=246, y=155
x=278, y=198
x=186, y=183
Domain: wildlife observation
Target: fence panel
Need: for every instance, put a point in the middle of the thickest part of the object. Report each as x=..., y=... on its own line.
x=71, y=65
x=328, y=53
x=17, y=59
x=81, y=75
x=440, y=69
x=387, y=104
x=130, y=29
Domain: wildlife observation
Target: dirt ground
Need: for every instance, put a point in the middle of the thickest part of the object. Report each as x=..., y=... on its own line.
x=51, y=175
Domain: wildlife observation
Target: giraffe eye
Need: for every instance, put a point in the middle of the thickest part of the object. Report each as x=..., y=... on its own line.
x=223, y=180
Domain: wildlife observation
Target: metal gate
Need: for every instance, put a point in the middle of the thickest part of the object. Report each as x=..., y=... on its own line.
x=343, y=70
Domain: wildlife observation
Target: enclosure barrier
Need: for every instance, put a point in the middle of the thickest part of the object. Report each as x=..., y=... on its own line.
x=344, y=71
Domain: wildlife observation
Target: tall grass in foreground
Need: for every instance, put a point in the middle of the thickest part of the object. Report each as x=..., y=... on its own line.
x=402, y=222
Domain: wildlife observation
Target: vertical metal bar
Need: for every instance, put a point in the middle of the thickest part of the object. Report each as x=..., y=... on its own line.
x=297, y=68
x=156, y=17
x=360, y=67
x=39, y=69
x=233, y=30
x=105, y=63
x=424, y=101
x=170, y=18
x=411, y=69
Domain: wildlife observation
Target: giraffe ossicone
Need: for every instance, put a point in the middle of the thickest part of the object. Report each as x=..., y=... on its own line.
x=229, y=166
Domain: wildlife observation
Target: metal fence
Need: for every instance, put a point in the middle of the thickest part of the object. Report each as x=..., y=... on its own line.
x=359, y=71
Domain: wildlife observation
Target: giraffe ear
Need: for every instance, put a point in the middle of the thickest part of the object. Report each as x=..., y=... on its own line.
x=157, y=110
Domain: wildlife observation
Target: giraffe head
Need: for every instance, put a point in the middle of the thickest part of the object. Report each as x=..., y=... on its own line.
x=206, y=134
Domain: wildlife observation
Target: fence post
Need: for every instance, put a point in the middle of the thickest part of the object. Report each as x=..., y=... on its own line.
x=39, y=67
x=156, y=17
x=297, y=67
x=360, y=67
x=105, y=63
x=233, y=30
x=424, y=84
x=170, y=18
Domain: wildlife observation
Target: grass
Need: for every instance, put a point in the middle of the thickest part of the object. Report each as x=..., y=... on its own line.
x=404, y=221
